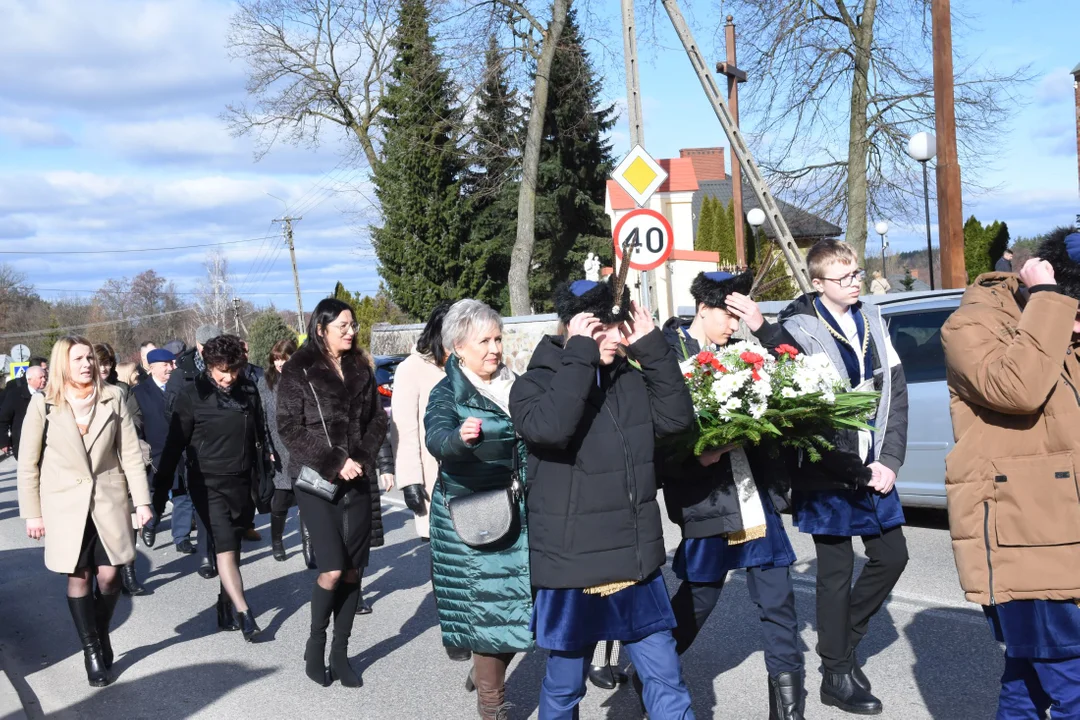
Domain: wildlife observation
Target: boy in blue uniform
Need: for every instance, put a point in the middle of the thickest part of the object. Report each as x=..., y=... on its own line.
x=850, y=491
x=724, y=501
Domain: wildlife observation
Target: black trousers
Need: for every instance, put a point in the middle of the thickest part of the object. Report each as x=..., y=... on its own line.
x=843, y=611
x=772, y=592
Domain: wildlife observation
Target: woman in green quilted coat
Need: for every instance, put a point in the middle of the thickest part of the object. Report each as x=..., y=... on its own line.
x=483, y=595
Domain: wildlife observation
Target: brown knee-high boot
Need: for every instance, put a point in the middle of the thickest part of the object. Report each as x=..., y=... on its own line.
x=489, y=675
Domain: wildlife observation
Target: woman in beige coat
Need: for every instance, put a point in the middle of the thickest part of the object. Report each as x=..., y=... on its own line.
x=79, y=458
x=415, y=469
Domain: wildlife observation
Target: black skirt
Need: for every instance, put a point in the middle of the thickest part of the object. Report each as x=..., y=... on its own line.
x=92, y=552
x=224, y=503
x=341, y=531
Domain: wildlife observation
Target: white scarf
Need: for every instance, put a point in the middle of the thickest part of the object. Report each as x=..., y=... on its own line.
x=750, y=508
x=498, y=389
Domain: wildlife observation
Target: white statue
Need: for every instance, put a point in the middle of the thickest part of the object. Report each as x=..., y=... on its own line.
x=592, y=267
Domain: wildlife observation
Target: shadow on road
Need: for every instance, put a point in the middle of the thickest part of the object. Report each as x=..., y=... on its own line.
x=957, y=663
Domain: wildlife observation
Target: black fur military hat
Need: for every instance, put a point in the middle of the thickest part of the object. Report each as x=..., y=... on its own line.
x=1062, y=250
x=712, y=288
x=589, y=296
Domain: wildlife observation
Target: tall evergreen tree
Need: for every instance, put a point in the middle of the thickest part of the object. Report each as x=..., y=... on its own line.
x=705, y=239
x=575, y=161
x=420, y=243
x=725, y=236
x=491, y=182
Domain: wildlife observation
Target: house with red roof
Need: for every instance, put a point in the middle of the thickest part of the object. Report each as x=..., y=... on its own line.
x=696, y=174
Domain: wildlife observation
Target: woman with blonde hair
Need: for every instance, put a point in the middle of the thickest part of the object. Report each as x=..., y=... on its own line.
x=127, y=373
x=80, y=459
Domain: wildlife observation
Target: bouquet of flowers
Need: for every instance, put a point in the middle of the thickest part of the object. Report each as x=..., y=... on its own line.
x=742, y=394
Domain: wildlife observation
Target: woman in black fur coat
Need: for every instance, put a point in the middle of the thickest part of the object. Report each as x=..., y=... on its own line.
x=330, y=372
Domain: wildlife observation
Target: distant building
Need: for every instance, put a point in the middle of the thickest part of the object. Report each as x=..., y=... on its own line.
x=696, y=174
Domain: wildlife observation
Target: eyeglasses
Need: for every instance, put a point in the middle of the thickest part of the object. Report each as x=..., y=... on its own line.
x=849, y=279
x=344, y=328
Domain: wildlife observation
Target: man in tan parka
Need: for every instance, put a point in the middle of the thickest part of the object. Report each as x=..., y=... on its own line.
x=1014, y=497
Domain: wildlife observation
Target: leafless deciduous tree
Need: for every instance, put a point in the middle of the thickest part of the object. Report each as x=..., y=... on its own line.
x=311, y=62
x=836, y=88
x=214, y=294
x=149, y=306
x=538, y=29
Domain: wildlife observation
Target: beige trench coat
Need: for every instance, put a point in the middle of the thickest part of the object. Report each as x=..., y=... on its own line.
x=414, y=380
x=80, y=476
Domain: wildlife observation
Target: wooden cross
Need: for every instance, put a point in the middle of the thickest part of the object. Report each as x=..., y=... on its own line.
x=734, y=77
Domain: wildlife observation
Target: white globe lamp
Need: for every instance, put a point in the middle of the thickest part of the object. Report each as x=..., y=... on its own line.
x=756, y=217
x=922, y=146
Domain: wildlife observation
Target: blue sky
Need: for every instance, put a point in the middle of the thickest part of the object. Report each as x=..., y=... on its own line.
x=110, y=138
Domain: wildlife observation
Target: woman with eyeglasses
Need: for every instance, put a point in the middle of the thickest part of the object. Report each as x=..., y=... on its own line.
x=331, y=422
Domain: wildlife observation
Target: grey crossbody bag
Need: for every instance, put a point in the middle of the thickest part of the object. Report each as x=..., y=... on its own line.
x=309, y=481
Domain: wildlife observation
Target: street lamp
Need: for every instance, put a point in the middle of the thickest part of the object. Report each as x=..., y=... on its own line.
x=756, y=218
x=922, y=147
x=882, y=229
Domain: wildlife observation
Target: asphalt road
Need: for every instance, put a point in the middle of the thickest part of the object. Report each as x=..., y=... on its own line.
x=928, y=653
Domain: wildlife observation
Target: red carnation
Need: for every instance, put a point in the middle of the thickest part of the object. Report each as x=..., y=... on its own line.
x=717, y=366
x=704, y=357
x=751, y=358
x=688, y=375
x=754, y=374
x=787, y=350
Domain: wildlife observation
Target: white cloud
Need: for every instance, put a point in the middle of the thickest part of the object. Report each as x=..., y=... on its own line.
x=26, y=132
x=1055, y=87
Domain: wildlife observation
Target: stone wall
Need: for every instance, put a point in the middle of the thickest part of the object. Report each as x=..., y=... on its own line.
x=520, y=336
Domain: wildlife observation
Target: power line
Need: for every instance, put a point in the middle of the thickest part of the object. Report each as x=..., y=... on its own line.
x=127, y=250
x=174, y=292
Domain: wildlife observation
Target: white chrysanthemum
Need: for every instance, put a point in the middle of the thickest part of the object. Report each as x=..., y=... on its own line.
x=763, y=388
x=829, y=396
x=788, y=392
x=758, y=409
x=733, y=405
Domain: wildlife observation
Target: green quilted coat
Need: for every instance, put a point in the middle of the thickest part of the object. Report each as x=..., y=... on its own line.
x=484, y=597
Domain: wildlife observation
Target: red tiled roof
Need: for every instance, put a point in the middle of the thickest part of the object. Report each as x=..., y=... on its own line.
x=708, y=162
x=681, y=176
x=619, y=199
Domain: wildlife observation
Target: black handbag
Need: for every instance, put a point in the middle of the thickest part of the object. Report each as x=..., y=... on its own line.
x=310, y=481
x=484, y=518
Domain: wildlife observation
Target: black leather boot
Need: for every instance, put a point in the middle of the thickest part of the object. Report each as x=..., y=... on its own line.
x=248, y=627
x=226, y=617
x=129, y=581
x=860, y=678
x=839, y=690
x=322, y=606
x=306, y=547
x=786, y=698
x=602, y=677
x=362, y=608
x=346, y=597
x=82, y=612
x=104, y=607
x=277, y=529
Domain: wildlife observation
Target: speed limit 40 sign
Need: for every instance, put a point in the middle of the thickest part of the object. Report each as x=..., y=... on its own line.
x=649, y=233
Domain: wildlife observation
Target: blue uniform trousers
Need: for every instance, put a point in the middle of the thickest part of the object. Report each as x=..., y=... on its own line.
x=1030, y=687
x=655, y=661
x=772, y=592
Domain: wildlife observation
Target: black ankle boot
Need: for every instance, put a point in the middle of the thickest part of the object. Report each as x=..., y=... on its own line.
x=82, y=612
x=104, y=607
x=860, y=678
x=839, y=690
x=277, y=529
x=786, y=699
x=130, y=582
x=346, y=598
x=226, y=616
x=306, y=547
x=602, y=677
x=208, y=566
x=322, y=606
x=362, y=608
x=248, y=627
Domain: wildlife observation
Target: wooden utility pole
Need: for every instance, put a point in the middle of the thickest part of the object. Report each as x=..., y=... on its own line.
x=633, y=104
x=766, y=201
x=287, y=231
x=950, y=204
x=734, y=77
x=236, y=314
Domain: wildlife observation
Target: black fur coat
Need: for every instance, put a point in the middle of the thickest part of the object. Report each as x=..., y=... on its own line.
x=355, y=419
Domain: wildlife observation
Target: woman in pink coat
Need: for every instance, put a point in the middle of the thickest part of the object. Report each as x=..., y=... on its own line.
x=415, y=469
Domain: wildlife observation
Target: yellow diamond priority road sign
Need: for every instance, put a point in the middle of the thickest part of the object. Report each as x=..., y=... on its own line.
x=639, y=175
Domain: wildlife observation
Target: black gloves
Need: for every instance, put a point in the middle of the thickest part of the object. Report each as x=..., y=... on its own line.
x=416, y=498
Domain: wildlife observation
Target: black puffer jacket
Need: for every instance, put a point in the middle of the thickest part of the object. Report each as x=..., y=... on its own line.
x=592, y=509
x=703, y=501
x=221, y=432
